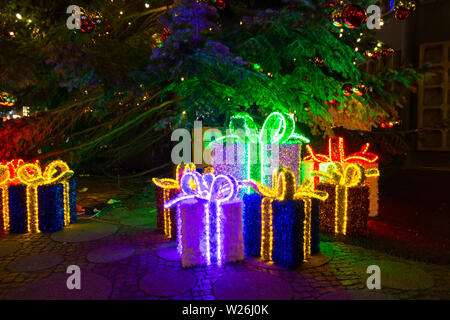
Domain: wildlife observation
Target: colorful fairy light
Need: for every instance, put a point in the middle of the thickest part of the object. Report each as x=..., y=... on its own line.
x=342, y=179
x=208, y=214
x=286, y=193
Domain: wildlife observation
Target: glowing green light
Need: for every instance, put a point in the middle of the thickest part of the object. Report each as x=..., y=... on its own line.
x=277, y=128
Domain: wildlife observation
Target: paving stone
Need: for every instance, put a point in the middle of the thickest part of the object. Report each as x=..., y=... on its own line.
x=340, y=277
x=80, y=232
x=315, y=261
x=8, y=247
x=168, y=282
x=398, y=275
x=263, y=264
x=93, y=287
x=251, y=286
x=110, y=253
x=169, y=253
x=35, y=262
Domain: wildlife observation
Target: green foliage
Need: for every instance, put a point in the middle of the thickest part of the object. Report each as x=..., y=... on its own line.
x=117, y=91
x=267, y=61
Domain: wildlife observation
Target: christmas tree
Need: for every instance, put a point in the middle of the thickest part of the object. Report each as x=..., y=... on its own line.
x=134, y=70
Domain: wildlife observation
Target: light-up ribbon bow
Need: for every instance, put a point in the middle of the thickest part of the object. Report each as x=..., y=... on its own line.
x=353, y=175
x=215, y=189
x=285, y=188
x=336, y=153
x=12, y=167
x=277, y=128
x=4, y=181
x=31, y=175
x=168, y=185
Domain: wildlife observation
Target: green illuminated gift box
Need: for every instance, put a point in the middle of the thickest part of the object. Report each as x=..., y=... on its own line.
x=248, y=151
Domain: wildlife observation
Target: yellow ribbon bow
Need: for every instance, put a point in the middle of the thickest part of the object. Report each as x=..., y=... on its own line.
x=353, y=175
x=168, y=184
x=4, y=180
x=31, y=175
x=285, y=188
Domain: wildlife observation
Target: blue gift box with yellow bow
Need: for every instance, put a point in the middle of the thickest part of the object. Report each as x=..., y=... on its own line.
x=282, y=224
x=39, y=201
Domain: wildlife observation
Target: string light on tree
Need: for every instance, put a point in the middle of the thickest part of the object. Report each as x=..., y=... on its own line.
x=390, y=124
x=7, y=100
x=336, y=15
x=89, y=20
x=403, y=8
x=360, y=90
x=347, y=89
x=380, y=50
x=330, y=3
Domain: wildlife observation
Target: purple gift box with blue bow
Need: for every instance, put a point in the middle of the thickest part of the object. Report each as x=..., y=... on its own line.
x=209, y=220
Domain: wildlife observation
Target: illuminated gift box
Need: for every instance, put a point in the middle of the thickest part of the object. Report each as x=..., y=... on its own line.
x=283, y=222
x=258, y=151
x=36, y=201
x=209, y=220
x=167, y=189
x=346, y=210
x=336, y=153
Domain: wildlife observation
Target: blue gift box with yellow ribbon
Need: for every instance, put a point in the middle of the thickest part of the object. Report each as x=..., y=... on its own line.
x=37, y=201
x=282, y=224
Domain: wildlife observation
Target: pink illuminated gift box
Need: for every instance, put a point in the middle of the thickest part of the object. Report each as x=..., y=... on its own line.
x=336, y=154
x=209, y=220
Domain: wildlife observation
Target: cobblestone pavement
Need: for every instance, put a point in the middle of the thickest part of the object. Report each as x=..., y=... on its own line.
x=343, y=276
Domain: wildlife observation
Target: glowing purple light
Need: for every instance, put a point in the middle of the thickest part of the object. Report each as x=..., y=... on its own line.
x=214, y=189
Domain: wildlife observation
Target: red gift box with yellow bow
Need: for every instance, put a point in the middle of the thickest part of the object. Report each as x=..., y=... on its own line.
x=337, y=154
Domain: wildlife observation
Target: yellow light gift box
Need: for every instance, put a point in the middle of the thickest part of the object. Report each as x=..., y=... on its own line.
x=346, y=210
x=37, y=201
x=289, y=220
